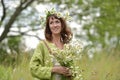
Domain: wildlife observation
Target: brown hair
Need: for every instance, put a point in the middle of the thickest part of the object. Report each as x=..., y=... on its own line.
x=66, y=33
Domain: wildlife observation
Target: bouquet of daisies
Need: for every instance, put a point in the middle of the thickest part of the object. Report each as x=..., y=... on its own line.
x=68, y=55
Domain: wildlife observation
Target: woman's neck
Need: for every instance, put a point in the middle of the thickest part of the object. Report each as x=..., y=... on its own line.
x=56, y=38
x=57, y=41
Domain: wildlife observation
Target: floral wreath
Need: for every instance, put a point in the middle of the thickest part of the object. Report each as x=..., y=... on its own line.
x=59, y=14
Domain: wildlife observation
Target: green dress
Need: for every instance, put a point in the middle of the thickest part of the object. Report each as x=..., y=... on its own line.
x=42, y=62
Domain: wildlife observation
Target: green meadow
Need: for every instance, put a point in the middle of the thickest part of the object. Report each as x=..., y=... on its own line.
x=102, y=66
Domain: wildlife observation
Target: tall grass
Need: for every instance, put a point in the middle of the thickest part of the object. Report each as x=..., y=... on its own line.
x=103, y=66
x=21, y=71
x=5, y=73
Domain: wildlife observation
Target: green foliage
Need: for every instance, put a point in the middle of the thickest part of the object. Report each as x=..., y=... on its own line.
x=54, y=1
x=3, y=52
x=106, y=26
x=14, y=44
x=10, y=50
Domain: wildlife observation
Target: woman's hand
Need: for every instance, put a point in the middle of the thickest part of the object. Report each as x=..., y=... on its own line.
x=62, y=70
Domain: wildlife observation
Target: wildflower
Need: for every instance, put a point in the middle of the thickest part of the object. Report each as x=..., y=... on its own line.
x=66, y=56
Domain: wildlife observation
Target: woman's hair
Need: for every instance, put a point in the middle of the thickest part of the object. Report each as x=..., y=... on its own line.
x=66, y=33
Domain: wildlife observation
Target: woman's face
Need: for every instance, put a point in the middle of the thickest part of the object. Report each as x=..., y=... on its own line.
x=55, y=25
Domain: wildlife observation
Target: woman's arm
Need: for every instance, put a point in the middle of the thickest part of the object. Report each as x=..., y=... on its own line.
x=37, y=67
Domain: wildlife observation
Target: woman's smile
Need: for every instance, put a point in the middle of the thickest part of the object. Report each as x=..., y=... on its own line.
x=55, y=29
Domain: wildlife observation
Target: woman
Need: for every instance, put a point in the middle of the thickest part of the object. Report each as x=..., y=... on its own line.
x=41, y=65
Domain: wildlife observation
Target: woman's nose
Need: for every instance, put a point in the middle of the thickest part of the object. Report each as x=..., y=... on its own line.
x=54, y=24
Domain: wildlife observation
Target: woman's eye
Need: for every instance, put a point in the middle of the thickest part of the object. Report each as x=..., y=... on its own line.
x=51, y=22
x=57, y=21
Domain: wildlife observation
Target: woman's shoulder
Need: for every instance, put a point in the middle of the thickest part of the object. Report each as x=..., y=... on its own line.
x=43, y=42
x=40, y=43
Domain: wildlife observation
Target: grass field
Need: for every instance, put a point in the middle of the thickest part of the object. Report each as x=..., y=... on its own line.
x=103, y=66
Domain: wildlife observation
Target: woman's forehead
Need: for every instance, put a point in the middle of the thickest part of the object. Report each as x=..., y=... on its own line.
x=53, y=18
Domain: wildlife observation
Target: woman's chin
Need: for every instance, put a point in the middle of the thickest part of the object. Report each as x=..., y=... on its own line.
x=56, y=32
